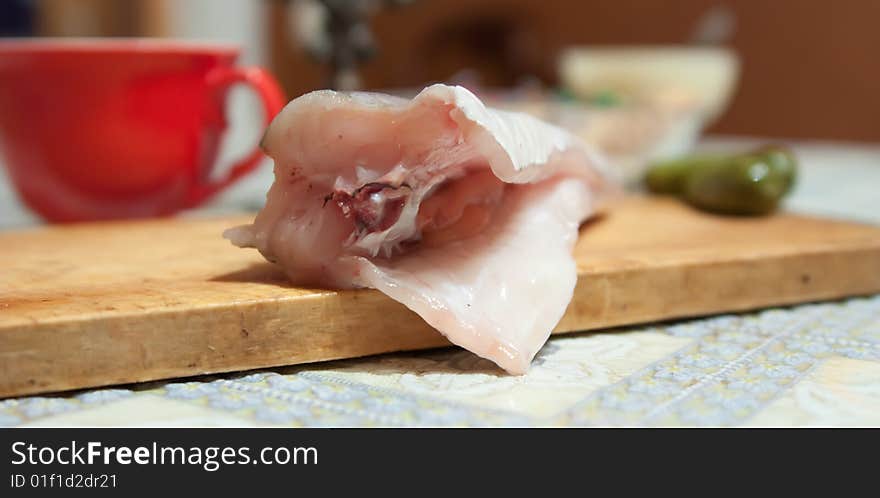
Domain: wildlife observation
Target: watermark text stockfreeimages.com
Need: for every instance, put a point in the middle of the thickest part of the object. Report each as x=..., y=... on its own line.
x=209, y=458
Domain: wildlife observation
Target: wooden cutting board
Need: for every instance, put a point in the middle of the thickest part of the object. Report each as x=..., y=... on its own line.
x=100, y=304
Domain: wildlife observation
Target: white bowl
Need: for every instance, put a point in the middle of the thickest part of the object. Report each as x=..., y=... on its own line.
x=705, y=74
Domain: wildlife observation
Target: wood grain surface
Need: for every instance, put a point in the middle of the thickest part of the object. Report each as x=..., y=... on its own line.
x=100, y=304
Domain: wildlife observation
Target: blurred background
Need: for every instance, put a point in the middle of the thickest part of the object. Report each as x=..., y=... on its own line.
x=810, y=68
x=803, y=70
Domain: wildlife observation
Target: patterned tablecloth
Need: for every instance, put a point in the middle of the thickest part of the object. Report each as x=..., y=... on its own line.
x=815, y=364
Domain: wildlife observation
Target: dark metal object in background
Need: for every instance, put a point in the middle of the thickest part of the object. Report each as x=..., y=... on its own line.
x=337, y=32
x=17, y=17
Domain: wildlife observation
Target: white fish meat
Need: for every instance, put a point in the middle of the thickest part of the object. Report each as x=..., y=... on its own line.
x=465, y=214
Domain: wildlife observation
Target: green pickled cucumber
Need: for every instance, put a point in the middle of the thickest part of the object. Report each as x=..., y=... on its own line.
x=745, y=184
x=782, y=161
x=668, y=177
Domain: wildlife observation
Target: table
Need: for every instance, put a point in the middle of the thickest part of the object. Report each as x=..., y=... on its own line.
x=813, y=365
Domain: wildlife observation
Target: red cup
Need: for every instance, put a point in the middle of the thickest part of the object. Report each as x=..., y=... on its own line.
x=93, y=129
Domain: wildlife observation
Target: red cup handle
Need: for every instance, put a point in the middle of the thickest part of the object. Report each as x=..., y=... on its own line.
x=273, y=101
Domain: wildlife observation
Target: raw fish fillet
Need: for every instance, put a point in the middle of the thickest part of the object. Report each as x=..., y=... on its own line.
x=465, y=214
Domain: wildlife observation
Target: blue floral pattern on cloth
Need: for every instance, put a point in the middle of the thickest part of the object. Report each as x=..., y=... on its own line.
x=316, y=399
x=726, y=370
x=735, y=367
